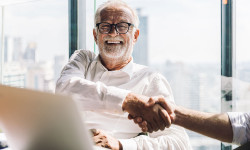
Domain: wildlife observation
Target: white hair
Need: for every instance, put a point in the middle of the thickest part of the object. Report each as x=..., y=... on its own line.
x=116, y=3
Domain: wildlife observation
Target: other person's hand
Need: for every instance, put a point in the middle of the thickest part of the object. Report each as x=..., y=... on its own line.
x=103, y=139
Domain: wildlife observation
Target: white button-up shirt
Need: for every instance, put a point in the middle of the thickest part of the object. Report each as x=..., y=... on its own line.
x=101, y=93
x=241, y=127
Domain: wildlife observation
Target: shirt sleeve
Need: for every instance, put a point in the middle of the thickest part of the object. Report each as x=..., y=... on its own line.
x=241, y=127
x=158, y=85
x=174, y=138
x=89, y=95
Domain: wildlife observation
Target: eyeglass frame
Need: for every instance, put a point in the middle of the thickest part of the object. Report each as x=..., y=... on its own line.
x=129, y=24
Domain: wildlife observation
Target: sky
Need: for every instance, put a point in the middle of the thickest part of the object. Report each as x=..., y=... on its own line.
x=44, y=22
x=179, y=30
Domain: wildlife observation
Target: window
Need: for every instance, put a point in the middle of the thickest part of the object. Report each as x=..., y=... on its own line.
x=242, y=58
x=35, y=43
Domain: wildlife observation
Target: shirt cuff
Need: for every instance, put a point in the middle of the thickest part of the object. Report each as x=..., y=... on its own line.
x=128, y=144
x=238, y=122
x=114, y=98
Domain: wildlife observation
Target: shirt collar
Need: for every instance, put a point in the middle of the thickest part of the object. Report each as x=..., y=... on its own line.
x=128, y=69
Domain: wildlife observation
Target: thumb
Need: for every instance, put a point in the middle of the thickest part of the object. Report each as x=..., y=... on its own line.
x=150, y=102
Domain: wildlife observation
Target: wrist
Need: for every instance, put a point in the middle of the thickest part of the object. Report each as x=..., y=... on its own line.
x=126, y=101
x=178, y=115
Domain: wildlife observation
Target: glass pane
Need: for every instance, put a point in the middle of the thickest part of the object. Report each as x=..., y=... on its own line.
x=242, y=89
x=35, y=43
x=181, y=39
x=1, y=45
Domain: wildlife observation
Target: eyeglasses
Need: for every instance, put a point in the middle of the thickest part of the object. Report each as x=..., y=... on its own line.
x=121, y=27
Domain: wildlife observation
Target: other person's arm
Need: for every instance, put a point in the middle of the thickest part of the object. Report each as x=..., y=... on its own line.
x=216, y=126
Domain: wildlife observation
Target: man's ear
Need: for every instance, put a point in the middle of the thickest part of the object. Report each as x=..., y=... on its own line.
x=95, y=35
x=136, y=35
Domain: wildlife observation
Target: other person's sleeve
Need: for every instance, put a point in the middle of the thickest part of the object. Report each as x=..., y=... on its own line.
x=241, y=127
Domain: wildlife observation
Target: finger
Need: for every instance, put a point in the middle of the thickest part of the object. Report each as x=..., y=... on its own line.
x=157, y=124
x=161, y=123
x=158, y=119
x=97, y=140
x=104, y=144
x=95, y=131
x=100, y=144
x=150, y=102
x=153, y=124
x=149, y=126
x=138, y=119
x=145, y=129
x=143, y=126
x=130, y=117
x=166, y=105
x=165, y=116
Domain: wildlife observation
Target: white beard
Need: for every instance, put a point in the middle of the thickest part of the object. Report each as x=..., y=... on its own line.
x=116, y=53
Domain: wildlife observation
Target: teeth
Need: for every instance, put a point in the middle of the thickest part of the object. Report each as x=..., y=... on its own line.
x=113, y=42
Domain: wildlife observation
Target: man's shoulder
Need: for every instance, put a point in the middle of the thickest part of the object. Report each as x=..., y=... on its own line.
x=83, y=54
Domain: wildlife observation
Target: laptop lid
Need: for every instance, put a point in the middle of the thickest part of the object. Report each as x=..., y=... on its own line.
x=35, y=120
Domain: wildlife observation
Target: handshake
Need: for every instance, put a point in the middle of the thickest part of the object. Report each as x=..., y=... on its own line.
x=150, y=113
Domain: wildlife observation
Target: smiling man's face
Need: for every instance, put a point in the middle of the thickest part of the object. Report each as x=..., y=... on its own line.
x=114, y=45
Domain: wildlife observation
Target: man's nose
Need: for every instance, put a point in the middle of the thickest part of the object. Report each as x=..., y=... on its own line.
x=113, y=31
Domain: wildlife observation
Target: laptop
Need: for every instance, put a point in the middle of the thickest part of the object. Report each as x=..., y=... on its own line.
x=33, y=120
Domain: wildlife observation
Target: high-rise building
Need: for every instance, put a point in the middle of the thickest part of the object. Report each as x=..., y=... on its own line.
x=17, y=49
x=8, y=49
x=12, y=49
x=30, y=52
x=140, y=53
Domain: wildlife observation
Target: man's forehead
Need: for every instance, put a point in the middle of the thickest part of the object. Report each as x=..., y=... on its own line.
x=116, y=14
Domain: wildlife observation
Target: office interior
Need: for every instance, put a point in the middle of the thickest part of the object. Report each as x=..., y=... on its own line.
x=200, y=47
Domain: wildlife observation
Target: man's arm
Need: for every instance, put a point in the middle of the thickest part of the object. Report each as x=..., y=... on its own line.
x=154, y=141
x=91, y=95
x=96, y=95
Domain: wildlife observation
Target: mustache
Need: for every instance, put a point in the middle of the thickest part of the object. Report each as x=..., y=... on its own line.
x=117, y=38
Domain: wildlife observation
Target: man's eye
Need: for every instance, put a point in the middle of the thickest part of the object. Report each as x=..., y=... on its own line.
x=105, y=26
x=121, y=26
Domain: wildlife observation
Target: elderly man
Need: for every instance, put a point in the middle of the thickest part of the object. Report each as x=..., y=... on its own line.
x=109, y=83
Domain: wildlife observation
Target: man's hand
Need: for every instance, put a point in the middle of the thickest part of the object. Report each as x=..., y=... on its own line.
x=104, y=140
x=144, y=107
x=167, y=114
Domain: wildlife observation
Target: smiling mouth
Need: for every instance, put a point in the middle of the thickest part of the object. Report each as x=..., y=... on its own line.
x=113, y=42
